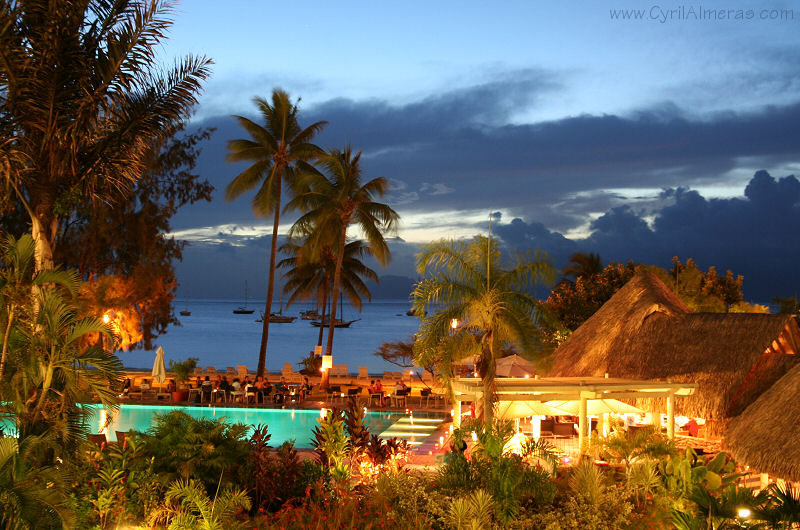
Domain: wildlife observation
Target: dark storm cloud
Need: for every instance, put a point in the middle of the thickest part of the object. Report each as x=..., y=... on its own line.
x=457, y=150
x=754, y=236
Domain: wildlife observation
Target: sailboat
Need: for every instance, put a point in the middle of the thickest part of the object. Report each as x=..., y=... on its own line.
x=242, y=309
x=338, y=323
x=186, y=312
x=279, y=317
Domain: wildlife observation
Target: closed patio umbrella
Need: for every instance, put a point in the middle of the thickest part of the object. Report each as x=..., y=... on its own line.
x=514, y=366
x=159, y=372
x=595, y=407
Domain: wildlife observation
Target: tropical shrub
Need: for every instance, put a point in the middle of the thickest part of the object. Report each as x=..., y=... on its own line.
x=609, y=511
x=202, y=449
x=187, y=506
x=272, y=476
x=414, y=498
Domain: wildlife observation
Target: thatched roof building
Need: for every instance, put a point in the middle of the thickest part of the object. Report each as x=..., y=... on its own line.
x=765, y=436
x=645, y=332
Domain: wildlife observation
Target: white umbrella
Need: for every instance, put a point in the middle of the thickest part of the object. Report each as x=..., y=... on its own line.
x=514, y=366
x=595, y=407
x=509, y=410
x=159, y=372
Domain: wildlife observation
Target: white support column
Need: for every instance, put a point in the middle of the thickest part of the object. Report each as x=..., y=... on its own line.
x=457, y=414
x=671, y=416
x=583, y=420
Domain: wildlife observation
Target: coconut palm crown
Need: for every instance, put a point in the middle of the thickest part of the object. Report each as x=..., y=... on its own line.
x=335, y=202
x=469, y=282
x=279, y=152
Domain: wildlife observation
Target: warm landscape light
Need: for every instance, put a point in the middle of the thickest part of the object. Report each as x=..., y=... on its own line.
x=106, y=319
x=744, y=513
x=454, y=323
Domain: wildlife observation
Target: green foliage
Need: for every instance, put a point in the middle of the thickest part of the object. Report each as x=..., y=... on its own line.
x=684, y=473
x=31, y=496
x=626, y=445
x=471, y=513
x=84, y=98
x=332, y=447
x=188, y=507
x=610, y=512
x=126, y=239
x=272, y=477
x=350, y=511
x=48, y=366
x=470, y=282
x=572, y=303
x=183, y=369
x=588, y=482
x=414, y=498
x=334, y=201
x=354, y=417
x=201, y=449
x=514, y=483
x=279, y=152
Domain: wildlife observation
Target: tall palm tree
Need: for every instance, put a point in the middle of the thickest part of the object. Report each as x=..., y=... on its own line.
x=334, y=203
x=583, y=264
x=279, y=151
x=307, y=278
x=83, y=98
x=470, y=282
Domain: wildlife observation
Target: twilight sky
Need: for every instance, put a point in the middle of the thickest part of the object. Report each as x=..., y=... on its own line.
x=638, y=139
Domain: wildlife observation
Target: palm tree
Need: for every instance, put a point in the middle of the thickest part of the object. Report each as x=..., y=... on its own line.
x=84, y=97
x=469, y=282
x=307, y=278
x=335, y=202
x=279, y=151
x=48, y=367
x=583, y=264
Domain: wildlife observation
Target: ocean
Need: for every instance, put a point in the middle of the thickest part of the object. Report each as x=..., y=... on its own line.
x=220, y=338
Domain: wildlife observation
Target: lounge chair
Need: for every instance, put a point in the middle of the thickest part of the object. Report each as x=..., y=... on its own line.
x=229, y=370
x=241, y=370
x=400, y=396
x=398, y=376
x=98, y=439
x=334, y=392
x=343, y=371
x=363, y=374
x=210, y=370
x=289, y=373
x=425, y=394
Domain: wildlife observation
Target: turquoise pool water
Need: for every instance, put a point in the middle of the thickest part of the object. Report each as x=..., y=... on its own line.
x=283, y=424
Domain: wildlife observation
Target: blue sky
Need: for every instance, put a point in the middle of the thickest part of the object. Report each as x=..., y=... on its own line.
x=555, y=115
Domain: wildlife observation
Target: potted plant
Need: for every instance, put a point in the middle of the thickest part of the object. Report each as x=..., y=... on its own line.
x=182, y=371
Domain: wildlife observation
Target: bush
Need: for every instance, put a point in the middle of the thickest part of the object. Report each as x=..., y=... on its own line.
x=413, y=499
x=610, y=511
x=207, y=450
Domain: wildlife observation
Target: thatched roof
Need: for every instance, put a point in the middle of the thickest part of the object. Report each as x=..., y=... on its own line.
x=765, y=436
x=645, y=332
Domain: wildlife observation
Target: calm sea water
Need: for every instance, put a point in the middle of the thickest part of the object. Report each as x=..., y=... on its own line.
x=219, y=338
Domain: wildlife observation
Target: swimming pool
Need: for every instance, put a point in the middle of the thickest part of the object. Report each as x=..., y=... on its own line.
x=283, y=424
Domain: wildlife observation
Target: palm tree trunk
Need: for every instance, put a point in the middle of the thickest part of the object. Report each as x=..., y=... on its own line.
x=322, y=317
x=262, y=352
x=488, y=382
x=5, y=340
x=43, y=237
x=337, y=277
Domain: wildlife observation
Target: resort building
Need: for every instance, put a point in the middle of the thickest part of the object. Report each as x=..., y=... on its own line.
x=646, y=332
